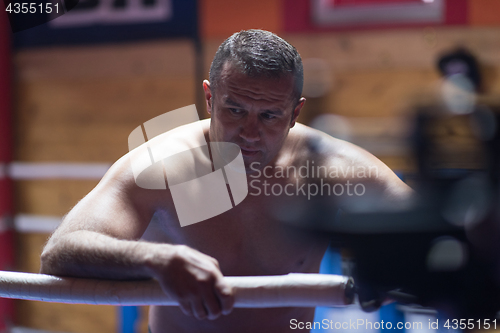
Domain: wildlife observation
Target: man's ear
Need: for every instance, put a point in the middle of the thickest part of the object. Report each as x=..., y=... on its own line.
x=208, y=95
x=296, y=111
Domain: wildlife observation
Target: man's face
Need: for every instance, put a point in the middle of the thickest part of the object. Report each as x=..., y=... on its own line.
x=254, y=113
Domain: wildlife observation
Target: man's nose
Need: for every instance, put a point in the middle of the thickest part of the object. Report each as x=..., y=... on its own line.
x=250, y=130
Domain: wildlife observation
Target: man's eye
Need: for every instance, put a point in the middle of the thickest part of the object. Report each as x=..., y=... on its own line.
x=268, y=116
x=235, y=111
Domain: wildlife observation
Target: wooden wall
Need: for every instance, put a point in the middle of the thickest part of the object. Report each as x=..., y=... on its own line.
x=79, y=104
x=377, y=73
x=382, y=75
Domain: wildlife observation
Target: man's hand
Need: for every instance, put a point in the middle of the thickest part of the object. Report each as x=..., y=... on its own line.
x=196, y=282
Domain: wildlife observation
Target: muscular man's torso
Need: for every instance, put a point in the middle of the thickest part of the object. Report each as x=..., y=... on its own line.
x=249, y=239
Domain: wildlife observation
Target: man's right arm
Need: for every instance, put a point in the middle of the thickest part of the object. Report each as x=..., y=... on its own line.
x=99, y=239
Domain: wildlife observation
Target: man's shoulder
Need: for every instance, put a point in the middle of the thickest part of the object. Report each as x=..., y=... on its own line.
x=343, y=159
x=140, y=161
x=327, y=149
x=177, y=140
x=338, y=161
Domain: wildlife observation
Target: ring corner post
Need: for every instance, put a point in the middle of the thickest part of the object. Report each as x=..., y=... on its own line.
x=6, y=142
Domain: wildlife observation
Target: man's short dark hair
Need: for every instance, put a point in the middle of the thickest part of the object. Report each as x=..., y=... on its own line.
x=259, y=53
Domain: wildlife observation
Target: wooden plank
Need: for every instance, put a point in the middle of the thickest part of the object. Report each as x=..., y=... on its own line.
x=50, y=197
x=157, y=59
x=29, y=247
x=373, y=93
x=80, y=103
x=77, y=318
x=389, y=49
x=90, y=120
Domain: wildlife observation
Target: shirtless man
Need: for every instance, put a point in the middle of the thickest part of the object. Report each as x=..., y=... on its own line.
x=253, y=98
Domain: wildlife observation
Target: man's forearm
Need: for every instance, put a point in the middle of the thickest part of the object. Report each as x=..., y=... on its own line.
x=91, y=254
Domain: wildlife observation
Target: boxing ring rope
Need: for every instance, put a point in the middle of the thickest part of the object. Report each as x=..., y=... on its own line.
x=292, y=290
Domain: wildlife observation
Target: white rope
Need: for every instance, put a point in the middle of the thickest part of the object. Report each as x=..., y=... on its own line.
x=29, y=223
x=56, y=170
x=292, y=290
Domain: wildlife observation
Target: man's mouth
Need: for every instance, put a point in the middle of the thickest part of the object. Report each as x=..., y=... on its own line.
x=248, y=151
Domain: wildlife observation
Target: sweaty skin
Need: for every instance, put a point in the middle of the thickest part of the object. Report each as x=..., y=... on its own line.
x=121, y=231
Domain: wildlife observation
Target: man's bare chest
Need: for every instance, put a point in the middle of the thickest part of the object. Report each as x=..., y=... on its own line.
x=249, y=239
